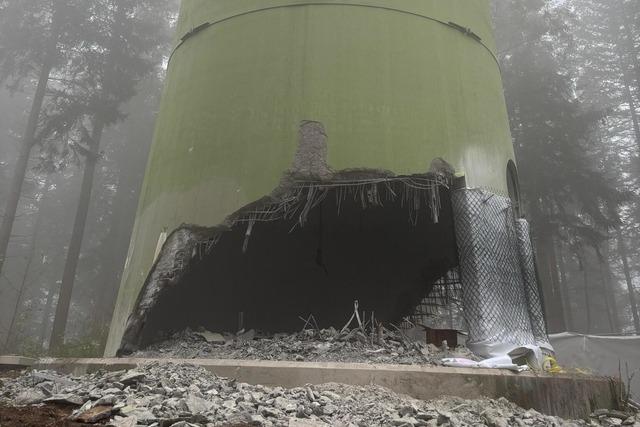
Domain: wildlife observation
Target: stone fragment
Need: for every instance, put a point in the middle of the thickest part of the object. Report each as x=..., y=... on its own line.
x=331, y=395
x=211, y=337
x=29, y=397
x=143, y=415
x=95, y=414
x=257, y=420
x=285, y=405
x=330, y=409
x=249, y=335
x=197, y=405
x=407, y=410
x=269, y=412
x=296, y=422
x=124, y=422
x=132, y=377
x=108, y=400
x=66, y=399
x=495, y=419
x=40, y=377
x=404, y=422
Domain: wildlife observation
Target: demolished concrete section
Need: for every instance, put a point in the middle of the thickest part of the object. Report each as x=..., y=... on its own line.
x=369, y=236
x=315, y=241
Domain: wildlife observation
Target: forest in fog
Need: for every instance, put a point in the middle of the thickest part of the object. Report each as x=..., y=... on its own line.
x=80, y=84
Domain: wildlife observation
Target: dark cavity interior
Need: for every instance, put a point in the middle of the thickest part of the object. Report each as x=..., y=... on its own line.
x=376, y=255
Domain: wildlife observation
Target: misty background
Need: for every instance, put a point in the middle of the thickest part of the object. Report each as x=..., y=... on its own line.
x=571, y=71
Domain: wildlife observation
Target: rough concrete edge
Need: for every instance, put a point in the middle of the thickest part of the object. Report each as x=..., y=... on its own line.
x=12, y=362
x=106, y=363
x=309, y=170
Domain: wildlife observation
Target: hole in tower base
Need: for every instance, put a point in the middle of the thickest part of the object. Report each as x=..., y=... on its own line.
x=383, y=242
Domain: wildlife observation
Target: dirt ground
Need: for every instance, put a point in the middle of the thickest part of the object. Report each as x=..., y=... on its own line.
x=45, y=416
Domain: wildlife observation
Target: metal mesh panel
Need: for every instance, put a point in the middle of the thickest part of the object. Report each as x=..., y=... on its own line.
x=531, y=289
x=495, y=305
x=442, y=307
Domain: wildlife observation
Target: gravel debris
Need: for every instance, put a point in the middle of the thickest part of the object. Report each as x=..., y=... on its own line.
x=170, y=395
x=327, y=345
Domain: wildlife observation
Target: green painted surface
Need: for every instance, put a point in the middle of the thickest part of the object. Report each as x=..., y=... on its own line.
x=394, y=91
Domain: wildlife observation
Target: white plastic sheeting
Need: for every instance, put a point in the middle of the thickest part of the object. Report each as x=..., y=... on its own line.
x=602, y=355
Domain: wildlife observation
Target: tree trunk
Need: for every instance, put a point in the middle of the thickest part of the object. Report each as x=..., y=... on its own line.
x=587, y=295
x=633, y=111
x=550, y=286
x=625, y=72
x=28, y=140
x=75, y=245
x=622, y=250
x=609, y=293
x=634, y=53
x=564, y=287
x=25, y=276
x=46, y=314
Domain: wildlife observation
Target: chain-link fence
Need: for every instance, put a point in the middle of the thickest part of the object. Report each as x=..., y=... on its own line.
x=531, y=284
x=499, y=286
x=442, y=307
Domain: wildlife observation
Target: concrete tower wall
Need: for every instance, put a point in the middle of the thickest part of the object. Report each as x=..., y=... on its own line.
x=394, y=84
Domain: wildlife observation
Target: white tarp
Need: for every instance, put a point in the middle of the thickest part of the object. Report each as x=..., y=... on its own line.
x=602, y=355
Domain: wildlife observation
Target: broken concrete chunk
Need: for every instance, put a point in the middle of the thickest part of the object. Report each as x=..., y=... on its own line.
x=211, y=337
x=197, y=405
x=143, y=415
x=66, y=399
x=249, y=335
x=40, y=377
x=285, y=404
x=258, y=420
x=108, y=400
x=124, y=422
x=495, y=419
x=296, y=422
x=95, y=414
x=29, y=397
x=132, y=377
x=183, y=424
x=330, y=409
x=405, y=422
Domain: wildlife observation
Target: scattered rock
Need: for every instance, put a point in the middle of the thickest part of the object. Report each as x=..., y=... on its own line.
x=29, y=397
x=197, y=405
x=327, y=345
x=108, y=400
x=132, y=377
x=296, y=422
x=66, y=399
x=211, y=337
x=166, y=395
x=95, y=414
x=124, y=422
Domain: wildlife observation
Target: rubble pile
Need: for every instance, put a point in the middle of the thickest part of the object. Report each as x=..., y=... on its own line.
x=169, y=395
x=327, y=345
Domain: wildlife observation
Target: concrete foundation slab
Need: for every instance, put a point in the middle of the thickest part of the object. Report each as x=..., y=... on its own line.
x=567, y=396
x=15, y=362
